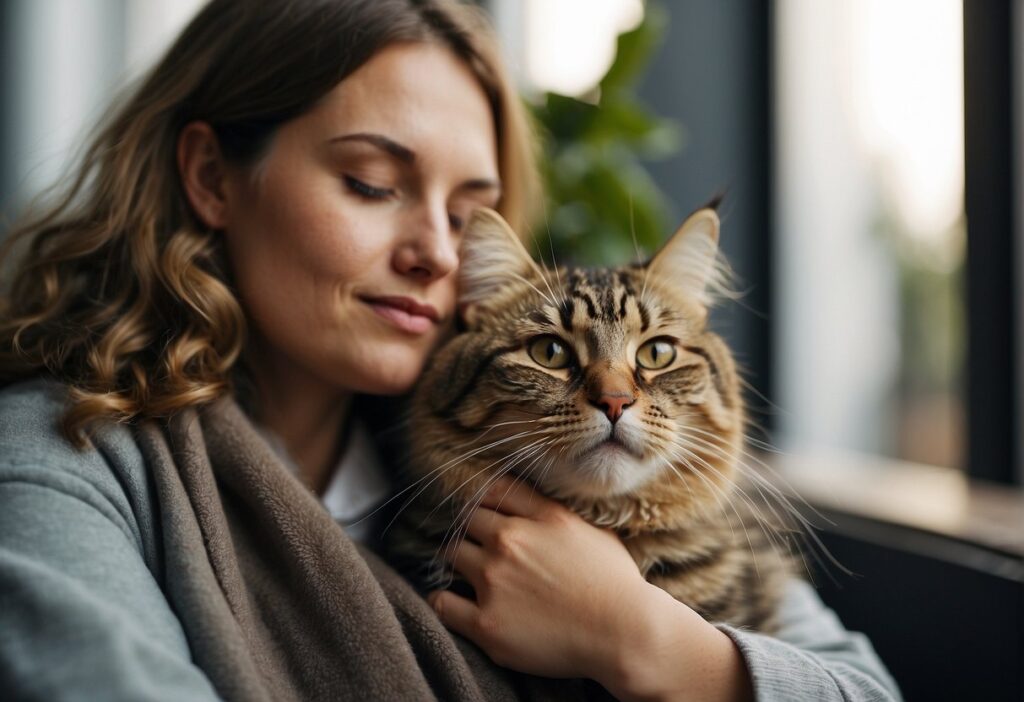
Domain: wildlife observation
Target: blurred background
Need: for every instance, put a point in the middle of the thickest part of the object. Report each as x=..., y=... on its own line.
x=870, y=155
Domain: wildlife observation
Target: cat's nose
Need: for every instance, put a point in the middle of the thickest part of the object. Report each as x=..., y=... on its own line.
x=614, y=404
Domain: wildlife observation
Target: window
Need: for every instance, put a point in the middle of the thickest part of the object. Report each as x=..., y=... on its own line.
x=870, y=227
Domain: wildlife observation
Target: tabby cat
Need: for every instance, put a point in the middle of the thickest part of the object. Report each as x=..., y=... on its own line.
x=605, y=389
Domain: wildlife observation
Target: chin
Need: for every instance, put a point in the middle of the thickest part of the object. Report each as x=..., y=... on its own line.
x=397, y=376
x=606, y=471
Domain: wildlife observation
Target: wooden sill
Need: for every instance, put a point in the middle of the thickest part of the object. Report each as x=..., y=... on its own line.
x=941, y=501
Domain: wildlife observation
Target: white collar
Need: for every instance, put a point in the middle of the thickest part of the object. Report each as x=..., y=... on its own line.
x=359, y=485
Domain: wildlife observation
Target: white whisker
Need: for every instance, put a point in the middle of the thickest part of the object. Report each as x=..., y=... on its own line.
x=696, y=471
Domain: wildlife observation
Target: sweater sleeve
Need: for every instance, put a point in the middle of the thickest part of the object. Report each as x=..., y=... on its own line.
x=812, y=656
x=81, y=615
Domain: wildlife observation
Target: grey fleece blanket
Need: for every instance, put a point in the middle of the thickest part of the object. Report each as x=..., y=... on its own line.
x=277, y=602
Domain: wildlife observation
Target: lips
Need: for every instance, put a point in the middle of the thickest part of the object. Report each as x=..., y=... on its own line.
x=405, y=313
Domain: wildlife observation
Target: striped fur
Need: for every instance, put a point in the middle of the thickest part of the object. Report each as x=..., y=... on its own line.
x=667, y=481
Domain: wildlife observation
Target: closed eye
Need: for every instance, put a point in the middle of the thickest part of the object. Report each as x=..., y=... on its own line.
x=368, y=191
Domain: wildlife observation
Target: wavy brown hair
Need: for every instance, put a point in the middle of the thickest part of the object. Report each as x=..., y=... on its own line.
x=120, y=292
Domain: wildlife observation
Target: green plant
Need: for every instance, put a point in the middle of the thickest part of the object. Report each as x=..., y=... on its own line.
x=599, y=194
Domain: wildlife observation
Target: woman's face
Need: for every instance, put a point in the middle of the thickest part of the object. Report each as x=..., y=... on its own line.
x=344, y=238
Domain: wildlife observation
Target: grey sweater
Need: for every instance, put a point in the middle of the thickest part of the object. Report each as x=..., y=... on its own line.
x=83, y=614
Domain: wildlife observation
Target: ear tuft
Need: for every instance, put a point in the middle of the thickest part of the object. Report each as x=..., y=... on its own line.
x=689, y=258
x=715, y=203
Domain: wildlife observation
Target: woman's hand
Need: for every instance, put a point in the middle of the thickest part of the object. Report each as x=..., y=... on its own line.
x=558, y=597
x=551, y=589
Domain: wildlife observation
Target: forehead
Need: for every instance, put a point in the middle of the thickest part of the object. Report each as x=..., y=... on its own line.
x=603, y=295
x=420, y=95
x=576, y=301
x=610, y=305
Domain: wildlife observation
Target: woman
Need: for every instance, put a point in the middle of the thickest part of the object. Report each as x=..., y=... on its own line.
x=273, y=219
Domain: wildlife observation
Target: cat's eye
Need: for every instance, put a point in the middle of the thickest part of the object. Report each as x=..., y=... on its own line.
x=550, y=352
x=656, y=354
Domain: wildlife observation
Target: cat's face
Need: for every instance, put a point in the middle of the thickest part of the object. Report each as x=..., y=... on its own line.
x=592, y=383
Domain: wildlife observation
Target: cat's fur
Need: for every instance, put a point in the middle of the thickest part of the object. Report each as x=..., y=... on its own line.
x=666, y=483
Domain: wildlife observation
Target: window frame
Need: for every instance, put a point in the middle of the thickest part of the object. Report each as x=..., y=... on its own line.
x=991, y=123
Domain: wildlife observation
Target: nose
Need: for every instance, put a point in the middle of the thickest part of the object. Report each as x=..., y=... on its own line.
x=614, y=404
x=429, y=250
x=611, y=390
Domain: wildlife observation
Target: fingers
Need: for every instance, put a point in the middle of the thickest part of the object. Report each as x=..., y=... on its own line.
x=516, y=498
x=468, y=559
x=455, y=612
x=484, y=524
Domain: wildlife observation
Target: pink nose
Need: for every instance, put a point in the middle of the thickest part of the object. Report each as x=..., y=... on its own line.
x=614, y=404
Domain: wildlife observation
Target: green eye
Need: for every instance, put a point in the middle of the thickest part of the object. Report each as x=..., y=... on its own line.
x=655, y=355
x=550, y=352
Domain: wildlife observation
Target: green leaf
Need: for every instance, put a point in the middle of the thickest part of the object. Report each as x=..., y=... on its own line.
x=633, y=50
x=602, y=204
x=566, y=118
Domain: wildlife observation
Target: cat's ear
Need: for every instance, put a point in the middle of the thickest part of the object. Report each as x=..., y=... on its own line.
x=491, y=259
x=688, y=259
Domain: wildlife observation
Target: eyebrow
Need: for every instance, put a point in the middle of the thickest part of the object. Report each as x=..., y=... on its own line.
x=477, y=184
x=402, y=153
x=407, y=155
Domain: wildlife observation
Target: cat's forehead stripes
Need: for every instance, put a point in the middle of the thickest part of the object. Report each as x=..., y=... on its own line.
x=601, y=296
x=602, y=310
x=540, y=317
x=601, y=291
x=565, y=311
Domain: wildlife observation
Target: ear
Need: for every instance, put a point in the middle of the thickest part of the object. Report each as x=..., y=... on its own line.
x=202, y=170
x=491, y=257
x=687, y=260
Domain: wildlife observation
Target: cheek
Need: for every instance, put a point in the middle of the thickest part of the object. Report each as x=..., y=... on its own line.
x=295, y=257
x=501, y=392
x=674, y=390
x=290, y=199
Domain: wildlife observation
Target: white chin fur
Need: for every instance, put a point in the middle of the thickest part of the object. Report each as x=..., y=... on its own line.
x=605, y=471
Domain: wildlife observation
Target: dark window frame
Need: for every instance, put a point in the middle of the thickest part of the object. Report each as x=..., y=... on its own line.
x=993, y=241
